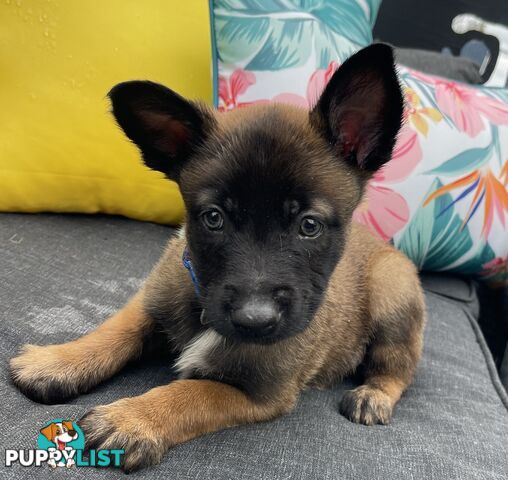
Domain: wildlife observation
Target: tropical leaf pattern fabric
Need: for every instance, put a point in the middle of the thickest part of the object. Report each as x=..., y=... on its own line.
x=284, y=40
x=271, y=35
x=443, y=198
x=458, y=192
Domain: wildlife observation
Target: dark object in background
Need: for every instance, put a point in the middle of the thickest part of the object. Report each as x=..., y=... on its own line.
x=455, y=68
x=503, y=371
x=428, y=25
x=494, y=324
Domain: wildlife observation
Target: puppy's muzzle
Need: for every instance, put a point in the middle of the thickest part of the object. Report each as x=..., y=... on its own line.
x=258, y=315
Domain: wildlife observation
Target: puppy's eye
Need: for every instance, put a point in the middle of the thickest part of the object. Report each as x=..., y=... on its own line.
x=213, y=219
x=310, y=227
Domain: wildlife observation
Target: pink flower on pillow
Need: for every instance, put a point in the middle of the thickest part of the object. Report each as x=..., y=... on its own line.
x=383, y=211
x=465, y=106
x=495, y=266
x=229, y=91
x=407, y=154
x=317, y=83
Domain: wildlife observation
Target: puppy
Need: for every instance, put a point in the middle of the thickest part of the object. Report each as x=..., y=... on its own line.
x=60, y=433
x=283, y=292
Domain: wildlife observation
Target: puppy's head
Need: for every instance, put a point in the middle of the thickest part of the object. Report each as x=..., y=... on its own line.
x=60, y=432
x=269, y=190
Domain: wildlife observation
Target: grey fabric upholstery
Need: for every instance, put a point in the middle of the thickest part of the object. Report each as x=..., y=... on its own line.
x=435, y=63
x=61, y=275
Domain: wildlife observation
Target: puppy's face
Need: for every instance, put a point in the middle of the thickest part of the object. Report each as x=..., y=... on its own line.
x=266, y=220
x=60, y=433
x=269, y=190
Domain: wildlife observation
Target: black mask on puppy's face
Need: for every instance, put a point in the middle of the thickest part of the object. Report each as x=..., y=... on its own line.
x=269, y=190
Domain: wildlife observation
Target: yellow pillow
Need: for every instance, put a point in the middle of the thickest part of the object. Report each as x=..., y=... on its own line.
x=60, y=149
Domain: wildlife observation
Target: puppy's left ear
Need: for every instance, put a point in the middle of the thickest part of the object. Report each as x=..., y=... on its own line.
x=360, y=110
x=49, y=431
x=166, y=127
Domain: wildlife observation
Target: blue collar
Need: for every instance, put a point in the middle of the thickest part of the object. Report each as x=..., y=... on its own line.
x=187, y=263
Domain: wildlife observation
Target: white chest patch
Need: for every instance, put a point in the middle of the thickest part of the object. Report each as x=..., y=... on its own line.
x=195, y=354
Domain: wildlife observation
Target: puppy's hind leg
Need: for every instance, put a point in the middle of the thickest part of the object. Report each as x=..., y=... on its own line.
x=53, y=373
x=397, y=311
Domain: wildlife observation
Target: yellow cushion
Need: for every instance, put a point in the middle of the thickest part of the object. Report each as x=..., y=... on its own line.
x=60, y=149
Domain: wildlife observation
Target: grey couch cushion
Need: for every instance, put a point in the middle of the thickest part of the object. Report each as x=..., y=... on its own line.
x=60, y=276
x=435, y=63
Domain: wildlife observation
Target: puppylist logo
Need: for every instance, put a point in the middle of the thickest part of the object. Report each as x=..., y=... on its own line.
x=61, y=443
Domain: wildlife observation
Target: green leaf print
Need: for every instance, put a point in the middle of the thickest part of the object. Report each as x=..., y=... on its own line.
x=278, y=34
x=433, y=238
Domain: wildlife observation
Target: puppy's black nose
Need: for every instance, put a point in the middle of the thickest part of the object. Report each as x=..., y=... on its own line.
x=258, y=316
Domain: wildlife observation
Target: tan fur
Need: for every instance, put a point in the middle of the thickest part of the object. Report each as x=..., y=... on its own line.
x=88, y=360
x=175, y=413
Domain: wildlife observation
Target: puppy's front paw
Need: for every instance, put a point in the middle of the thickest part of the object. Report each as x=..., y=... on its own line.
x=44, y=374
x=366, y=405
x=119, y=426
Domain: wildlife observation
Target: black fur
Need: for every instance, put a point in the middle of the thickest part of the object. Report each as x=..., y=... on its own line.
x=166, y=127
x=48, y=391
x=360, y=111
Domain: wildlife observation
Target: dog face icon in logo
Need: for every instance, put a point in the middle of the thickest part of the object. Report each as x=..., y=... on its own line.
x=61, y=438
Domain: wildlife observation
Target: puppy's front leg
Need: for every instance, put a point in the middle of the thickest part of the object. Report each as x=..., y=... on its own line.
x=53, y=373
x=147, y=425
x=397, y=314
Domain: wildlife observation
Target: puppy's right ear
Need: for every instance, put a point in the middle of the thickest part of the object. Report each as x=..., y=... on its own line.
x=167, y=128
x=360, y=111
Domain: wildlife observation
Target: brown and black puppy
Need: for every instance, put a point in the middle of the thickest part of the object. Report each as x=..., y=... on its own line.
x=288, y=293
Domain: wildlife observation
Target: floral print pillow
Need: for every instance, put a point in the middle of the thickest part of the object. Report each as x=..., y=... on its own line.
x=443, y=198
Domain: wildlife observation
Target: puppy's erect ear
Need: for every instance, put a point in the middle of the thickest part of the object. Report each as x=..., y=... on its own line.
x=166, y=127
x=49, y=431
x=360, y=110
